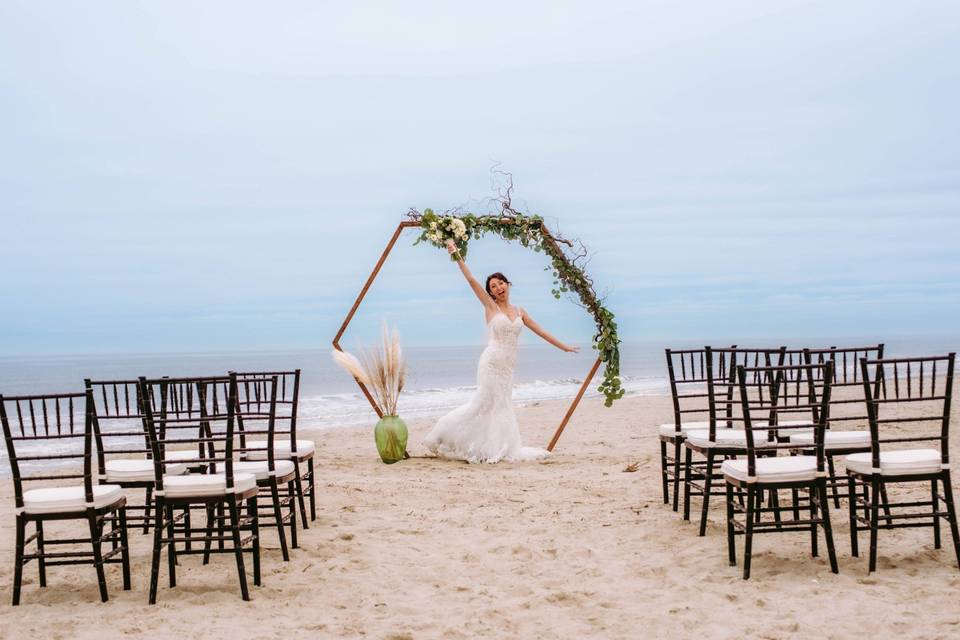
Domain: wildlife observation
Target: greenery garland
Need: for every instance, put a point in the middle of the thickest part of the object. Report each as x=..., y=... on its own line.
x=569, y=276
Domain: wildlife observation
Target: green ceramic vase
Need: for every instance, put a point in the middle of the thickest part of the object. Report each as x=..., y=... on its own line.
x=391, y=436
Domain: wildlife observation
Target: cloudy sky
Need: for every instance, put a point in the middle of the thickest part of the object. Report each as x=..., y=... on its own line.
x=181, y=176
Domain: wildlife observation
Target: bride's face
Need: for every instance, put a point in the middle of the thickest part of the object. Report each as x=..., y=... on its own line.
x=499, y=289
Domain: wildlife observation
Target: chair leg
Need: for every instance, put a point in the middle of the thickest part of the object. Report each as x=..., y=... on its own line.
x=171, y=548
x=148, y=501
x=298, y=482
x=278, y=516
x=795, y=497
x=935, y=499
x=705, y=505
x=313, y=490
x=294, y=544
x=237, y=547
x=187, y=545
x=852, y=508
x=157, y=541
x=874, y=520
x=951, y=513
x=676, y=474
x=687, y=461
x=664, y=481
x=833, y=483
x=253, y=515
x=827, y=528
x=124, y=549
x=41, y=560
x=18, y=558
x=885, y=501
x=221, y=524
x=731, y=537
x=209, y=534
x=814, y=500
x=775, y=505
x=753, y=498
x=95, y=536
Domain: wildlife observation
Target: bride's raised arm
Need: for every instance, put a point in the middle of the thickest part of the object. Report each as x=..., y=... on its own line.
x=478, y=289
x=540, y=331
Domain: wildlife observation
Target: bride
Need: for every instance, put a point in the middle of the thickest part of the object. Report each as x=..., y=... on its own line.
x=485, y=429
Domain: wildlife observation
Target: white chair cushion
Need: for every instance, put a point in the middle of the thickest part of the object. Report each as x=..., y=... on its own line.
x=728, y=438
x=137, y=470
x=66, y=499
x=197, y=485
x=834, y=439
x=670, y=429
x=281, y=448
x=903, y=462
x=782, y=469
x=260, y=470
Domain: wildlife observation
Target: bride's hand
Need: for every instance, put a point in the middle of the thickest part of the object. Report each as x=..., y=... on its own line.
x=570, y=349
x=451, y=247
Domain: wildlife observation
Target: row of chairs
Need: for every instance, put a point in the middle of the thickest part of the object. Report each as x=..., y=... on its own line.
x=737, y=409
x=222, y=446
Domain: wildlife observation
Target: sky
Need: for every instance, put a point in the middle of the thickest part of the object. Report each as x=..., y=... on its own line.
x=219, y=176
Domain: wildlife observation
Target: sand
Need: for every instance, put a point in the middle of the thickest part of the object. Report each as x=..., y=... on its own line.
x=570, y=547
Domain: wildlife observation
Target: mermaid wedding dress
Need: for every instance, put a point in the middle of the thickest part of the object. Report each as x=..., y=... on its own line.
x=485, y=429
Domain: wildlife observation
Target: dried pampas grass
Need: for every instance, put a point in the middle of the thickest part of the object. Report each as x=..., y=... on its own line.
x=382, y=369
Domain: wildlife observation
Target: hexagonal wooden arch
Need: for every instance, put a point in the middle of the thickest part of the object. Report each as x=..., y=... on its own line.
x=366, y=287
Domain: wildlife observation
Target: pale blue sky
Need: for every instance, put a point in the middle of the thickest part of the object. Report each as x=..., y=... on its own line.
x=181, y=176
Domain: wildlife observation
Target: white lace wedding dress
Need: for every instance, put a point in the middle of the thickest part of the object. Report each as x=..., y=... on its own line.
x=485, y=429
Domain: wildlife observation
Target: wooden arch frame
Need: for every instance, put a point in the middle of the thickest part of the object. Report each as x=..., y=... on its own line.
x=406, y=224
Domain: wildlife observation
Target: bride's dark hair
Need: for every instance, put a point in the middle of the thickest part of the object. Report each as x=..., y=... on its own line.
x=498, y=276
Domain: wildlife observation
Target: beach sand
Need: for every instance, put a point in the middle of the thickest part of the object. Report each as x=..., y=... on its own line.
x=570, y=547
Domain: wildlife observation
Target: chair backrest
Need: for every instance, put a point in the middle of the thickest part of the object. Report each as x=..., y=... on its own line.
x=847, y=409
x=690, y=372
x=117, y=419
x=288, y=399
x=199, y=412
x=768, y=398
x=915, y=409
x=727, y=413
x=257, y=421
x=43, y=432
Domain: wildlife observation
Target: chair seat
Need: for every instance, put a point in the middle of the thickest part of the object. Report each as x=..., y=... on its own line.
x=769, y=470
x=67, y=499
x=259, y=468
x=200, y=485
x=834, y=439
x=670, y=429
x=903, y=462
x=727, y=438
x=137, y=470
x=257, y=449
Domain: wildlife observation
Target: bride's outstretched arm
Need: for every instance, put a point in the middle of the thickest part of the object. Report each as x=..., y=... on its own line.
x=482, y=295
x=540, y=331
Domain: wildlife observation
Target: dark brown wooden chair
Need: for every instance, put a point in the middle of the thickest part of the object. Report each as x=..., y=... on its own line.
x=766, y=413
x=848, y=429
x=257, y=453
x=287, y=445
x=688, y=370
x=46, y=437
x=909, y=445
x=724, y=436
x=208, y=428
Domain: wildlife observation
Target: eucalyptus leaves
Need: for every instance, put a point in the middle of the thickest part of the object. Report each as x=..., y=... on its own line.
x=568, y=273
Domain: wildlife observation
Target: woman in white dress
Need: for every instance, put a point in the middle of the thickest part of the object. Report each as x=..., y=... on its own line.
x=485, y=429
